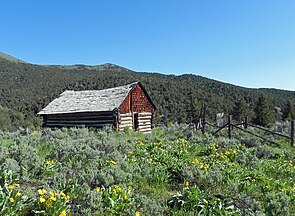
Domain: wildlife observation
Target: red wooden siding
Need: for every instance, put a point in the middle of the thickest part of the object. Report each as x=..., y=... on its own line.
x=125, y=106
x=140, y=102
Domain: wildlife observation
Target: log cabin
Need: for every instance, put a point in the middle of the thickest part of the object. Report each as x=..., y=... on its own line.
x=127, y=106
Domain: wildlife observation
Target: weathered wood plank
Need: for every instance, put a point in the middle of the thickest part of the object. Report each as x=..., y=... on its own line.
x=143, y=121
x=76, y=125
x=65, y=121
x=125, y=114
x=145, y=118
x=80, y=114
x=125, y=125
x=126, y=119
x=144, y=114
x=144, y=126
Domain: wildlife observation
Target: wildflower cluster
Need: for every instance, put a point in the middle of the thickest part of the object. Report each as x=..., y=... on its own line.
x=52, y=202
x=12, y=197
x=111, y=162
x=139, y=142
x=186, y=186
x=183, y=143
x=202, y=166
x=115, y=197
x=50, y=162
x=230, y=154
x=14, y=192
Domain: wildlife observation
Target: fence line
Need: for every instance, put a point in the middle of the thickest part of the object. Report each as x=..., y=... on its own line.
x=229, y=125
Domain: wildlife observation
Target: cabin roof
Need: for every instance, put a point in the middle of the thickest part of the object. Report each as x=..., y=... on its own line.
x=89, y=100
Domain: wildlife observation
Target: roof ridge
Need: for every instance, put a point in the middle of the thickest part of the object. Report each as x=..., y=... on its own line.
x=94, y=90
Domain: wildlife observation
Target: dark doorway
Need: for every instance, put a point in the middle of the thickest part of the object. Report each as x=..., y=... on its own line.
x=135, y=121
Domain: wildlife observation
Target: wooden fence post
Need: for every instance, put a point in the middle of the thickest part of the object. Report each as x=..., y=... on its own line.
x=293, y=133
x=204, y=119
x=246, y=122
x=229, y=126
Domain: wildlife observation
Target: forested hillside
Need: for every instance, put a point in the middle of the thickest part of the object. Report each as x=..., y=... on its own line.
x=26, y=88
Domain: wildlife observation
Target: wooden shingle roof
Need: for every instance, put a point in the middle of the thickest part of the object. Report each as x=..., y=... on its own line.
x=88, y=101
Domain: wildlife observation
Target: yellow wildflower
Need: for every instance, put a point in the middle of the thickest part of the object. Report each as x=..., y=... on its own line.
x=68, y=197
x=11, y=199
x=63, y=213
x=42, y=191
x=139, y=142
x=10, y=187
x=125, y=197
x=196, y=161
x=18, y=194
x=53, y=198
x=42, y=199
x=98, y=189
x=137, y=213
x=113, y=162
x=118, y=188
x=63, y=194
x=48, y=202
x=52, y=194
x=50, y=162
x=186, y=184
x=16, y=184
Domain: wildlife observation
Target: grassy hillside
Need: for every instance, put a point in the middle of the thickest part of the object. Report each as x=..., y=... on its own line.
x=28, y=88
x=89, y=172
x=10, y=58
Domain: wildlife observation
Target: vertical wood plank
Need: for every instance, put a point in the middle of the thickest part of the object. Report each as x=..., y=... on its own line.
x=246, y=122
x=204, y=119
x=292, y=133
x=229, y=126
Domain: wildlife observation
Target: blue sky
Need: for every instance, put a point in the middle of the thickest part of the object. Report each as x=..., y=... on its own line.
x=248, y=43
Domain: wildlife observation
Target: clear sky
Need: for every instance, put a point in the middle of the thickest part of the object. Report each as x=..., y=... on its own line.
x=243, y=42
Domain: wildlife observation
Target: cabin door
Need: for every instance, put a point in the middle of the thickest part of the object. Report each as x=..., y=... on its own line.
x=135, y=121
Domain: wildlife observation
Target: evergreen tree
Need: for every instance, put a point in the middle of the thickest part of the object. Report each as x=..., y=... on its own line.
x=289, y=111
x=264, y=114
x=194, y=108
x=241, y=110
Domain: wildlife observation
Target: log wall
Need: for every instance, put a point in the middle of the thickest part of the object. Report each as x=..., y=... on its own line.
x=145, y=122
x=125, y=120
x=87, y=119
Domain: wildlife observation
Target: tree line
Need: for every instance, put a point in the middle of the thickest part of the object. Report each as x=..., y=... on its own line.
x=25, y=89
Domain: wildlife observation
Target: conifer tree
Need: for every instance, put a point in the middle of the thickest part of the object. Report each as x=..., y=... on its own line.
x=264, y=113
x=289, y=111
x=241, y=110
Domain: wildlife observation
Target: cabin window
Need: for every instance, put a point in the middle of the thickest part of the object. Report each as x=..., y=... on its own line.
x=135, y=121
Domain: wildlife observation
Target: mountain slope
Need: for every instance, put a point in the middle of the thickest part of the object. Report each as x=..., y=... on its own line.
x=10, y=58
x=28, y=88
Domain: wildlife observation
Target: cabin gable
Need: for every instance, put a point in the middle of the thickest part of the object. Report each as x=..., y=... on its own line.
x=140, y=101
x=136, y=110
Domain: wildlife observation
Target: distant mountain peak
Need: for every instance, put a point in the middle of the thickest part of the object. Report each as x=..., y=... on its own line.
x=102, y=67
x=10, y=58
x=110, y=66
